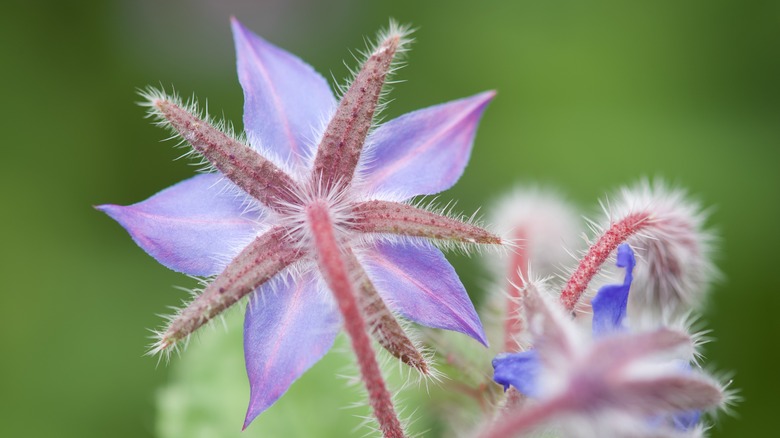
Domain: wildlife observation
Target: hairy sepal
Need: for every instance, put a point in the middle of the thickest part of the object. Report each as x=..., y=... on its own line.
x=343, y=140
x=265, y=257
x=403, y=219
x=250, y=171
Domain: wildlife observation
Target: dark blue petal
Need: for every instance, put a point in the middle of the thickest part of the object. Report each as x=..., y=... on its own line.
x=520, y=370
x=609, y=304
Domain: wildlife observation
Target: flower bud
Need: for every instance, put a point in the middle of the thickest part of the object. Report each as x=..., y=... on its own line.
x=674, y=246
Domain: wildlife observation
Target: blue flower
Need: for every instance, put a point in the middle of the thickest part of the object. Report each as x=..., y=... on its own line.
x=614, y=371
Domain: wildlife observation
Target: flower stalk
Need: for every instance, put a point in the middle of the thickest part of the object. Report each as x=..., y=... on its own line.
x=617, y=233
x=516, y=278
x=332, y=264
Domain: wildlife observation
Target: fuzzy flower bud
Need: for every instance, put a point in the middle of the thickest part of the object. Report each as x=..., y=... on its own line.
x=674, y=246
x=668, y=233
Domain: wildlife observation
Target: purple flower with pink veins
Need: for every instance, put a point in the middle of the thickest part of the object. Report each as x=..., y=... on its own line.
x=311, y=218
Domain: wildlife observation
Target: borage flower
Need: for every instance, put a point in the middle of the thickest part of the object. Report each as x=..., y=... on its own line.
x=302, y=215
x=625, y=384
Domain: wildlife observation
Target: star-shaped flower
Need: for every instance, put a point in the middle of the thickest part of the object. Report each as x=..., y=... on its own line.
x=638, y=382
x=303, y=213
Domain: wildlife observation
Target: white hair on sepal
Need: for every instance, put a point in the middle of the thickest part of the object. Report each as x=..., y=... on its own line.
x=163, y=347
x=338, y=199
x=475, y=219
x=674, y=249
x=731, y=395
x=160, y=346
x=446, y=245
x=153, y=95
x=312, y=138
x=393, y=29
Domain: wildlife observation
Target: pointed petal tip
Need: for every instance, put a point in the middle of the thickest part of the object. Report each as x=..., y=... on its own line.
x=426, y=151
x=190, y=227
x=285, y=99
x=236, y=25
x=102, y=208
x=397, y=269
x=295, y=326
x=477, y=332
x=251, y=414
x=483, y=338
x=243, y=35
x=472, y=329
x=113, y=211
x=105, y=208
x=480, y=101
x=487, y=95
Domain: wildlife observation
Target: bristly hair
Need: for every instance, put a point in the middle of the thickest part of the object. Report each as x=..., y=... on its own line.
x=393, y=29
x=152, y=95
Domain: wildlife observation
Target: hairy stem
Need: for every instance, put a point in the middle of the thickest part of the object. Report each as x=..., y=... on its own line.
x=334, y=270
x=518, y=273
x=617, y=233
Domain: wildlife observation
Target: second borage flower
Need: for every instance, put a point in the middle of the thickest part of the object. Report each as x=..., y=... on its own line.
x=308, y=211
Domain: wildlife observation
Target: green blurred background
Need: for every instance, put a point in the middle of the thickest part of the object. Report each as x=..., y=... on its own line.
x=592, y=95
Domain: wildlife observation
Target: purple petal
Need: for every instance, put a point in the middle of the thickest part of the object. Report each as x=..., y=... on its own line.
x=196, y=226
x=285, y=100
x=520, y=370
x=416, y=281
x=609, y=304
x=426, y=151
x=290, y=324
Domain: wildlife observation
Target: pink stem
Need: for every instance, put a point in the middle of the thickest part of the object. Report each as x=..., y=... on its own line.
x=518, y=272
x=334, y=269
x=617, y=233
